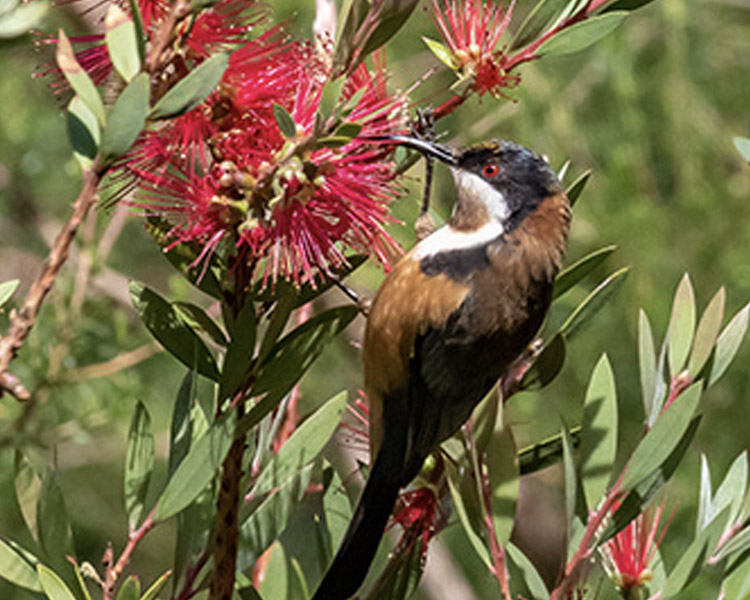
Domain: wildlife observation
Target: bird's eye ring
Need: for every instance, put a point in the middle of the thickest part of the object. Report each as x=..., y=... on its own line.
x=490, y=170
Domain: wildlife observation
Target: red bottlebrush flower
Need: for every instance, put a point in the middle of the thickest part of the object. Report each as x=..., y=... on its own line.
x=627, y=556
x=419, y=515
x=472, y=30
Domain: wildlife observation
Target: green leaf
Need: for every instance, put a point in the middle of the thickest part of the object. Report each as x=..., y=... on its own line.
x=155, y=588
x=55, y=537
x=736, y=584
x=269, y=518
x=302, y=447
x=285, y=121
x=79, y=578
x=535, y=22
x=731, y=491
x=140, y=35
x=547, y=365
x=7, y=288
x=646, y=362
x=728, y=344
x=83, y=130
x=21, y=19
x=681, y=326
x=582, y=34
x=139, y=464
x=463, y=516
x=28, y=487
x=292, y=356
x=285, y=303
x=392, y=16
x=276, y=582
x=739, y=543
x=442, y=52
x=502, y=470
x=706, y=334
x=575, y=189
x=630, y=5
x=545, y=453
x=599, y=433
x=127, y=118
x=78, y=79
x=54, y=587
x=192, y=90
x=693, y=557
x=197, y=470
x=198, y=319
x=704, y=495
x=743, y=147
x=593, y=302
x=574, y=274
x=239, y=356
x=122, y=42
x=130, y=589
x=530, y=576
x=656, y=446
x=181, y=427
x=18, y=566
x=571, y=481
x=163, y=321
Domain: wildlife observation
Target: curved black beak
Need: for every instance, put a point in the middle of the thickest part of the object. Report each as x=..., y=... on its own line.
x=443, y=153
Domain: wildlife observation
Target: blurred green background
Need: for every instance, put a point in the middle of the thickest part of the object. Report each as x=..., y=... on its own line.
x=651, y=109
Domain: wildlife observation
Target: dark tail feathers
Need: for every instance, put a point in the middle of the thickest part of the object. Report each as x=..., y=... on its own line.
x=357, y=550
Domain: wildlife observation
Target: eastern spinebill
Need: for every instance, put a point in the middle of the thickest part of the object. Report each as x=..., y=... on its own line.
x=448, y=320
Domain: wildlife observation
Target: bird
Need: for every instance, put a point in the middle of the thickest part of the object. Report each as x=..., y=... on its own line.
x=447, y=321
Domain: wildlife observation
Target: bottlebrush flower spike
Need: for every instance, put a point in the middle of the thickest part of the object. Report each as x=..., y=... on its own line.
x=627, y=556
x=472, y=30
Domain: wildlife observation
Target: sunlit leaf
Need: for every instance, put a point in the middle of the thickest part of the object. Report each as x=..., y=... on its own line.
x=547, y=365
x=463, y=516
x=593, y=302
x=199, y=320
x=24, y=17
x=52, y=585
x=545, y=453
x=197, y=469
x=139, y=464
x=571, y=481
x=285, y=121
x=84, y=131
x=276, y=578
x=502, y=470
x=7, y=288
x=576, y=188
x=738, y=544
x=122, y=42
x=646, y=361
x=743, y=147
x=77, y=77
x=731, y=491
x=239, y=356
x=28, y=487
x=728, y=344
x=574, y=274
x=127, y=119
x=18, y=566
x=152, y=592
x=193, y=89
x=706, y=333
x=663, y=438
x=130, y=589
x=582, y=35
x=599, y=433
x=533, y=581
x=303, y=446
x=681, y=325
x=442, y=52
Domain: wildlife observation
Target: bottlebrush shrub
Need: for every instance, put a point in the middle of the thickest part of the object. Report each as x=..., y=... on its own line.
x=250, y=156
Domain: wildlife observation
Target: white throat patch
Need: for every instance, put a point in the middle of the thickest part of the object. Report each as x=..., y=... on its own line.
x=448, y=238
x=473, y=186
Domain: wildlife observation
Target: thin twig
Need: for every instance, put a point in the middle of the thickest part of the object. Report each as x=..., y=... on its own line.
x=113, y=571
x=21, y=322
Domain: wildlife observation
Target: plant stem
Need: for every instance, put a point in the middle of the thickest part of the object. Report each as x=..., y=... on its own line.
x=22, y=322
x=113, y=572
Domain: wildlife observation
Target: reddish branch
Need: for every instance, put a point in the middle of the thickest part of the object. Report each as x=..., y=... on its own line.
x=21, y=322
x=112, y=570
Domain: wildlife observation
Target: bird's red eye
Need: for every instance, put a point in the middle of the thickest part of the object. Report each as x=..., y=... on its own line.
x=490, y=170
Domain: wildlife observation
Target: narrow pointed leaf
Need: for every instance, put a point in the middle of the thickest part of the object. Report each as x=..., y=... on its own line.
x=127, y=119
x=704, y=495
x=78, y=79
x=738, y=544
x=463, y=517
x=547, y=365
x=646, y=361
x=54, y=587
x=197, y=469
x=545, y=453
x=122, y=42
x=285, y=121
x=130, y=589
x=731, y=491
x=599, y=433
x=152, y=592
x=140, y=36
x=28, y=487
x=535, y=22
x=18, y=566
x=534, y=582
x=663, y=438
x=442, y=52
x=199, y=320
x=84, y=131
x=21, y=19
x=303, y=446
x=574, y=274
x=681, y=326
x=163, y=321
x=728, y=344
x=630, y=5
x=661, y=389
x=571, y=481
x=7, y=288
x=743, y=147
x=576, y=188
x=181, y=427
x=593, y=302
x=582, y=35
x=706, y=333
x=55, y=537
x=190, y=91
x=502, y=469
x=239, y=356
x=139, y=464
